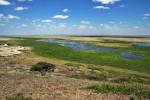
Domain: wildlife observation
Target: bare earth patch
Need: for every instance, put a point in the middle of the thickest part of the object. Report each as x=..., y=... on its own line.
x=4, y=39
x=15, y=77
x=11, y=50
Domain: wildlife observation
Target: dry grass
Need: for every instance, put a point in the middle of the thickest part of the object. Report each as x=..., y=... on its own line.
x=114, y=45
x=128, y=39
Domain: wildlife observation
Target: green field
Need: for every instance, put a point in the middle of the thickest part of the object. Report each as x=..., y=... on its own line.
x=52, y=50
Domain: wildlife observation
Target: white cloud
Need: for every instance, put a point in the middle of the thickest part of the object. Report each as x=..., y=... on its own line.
x=40, y=26
x=101, y=7
x=136, y=27
x=147, y=15
x=4, y=2
x=1, y=15
x=47, y=21
x=106, y=1
x=65, y=10
x=21, y=8
x=84, y=25
x=111, y=22
x=35, y=20
x=62, y=25
x=122, y=6
x=61, y=16
x=85, y=22
x=24, y=25
x=4, y=18
x=13, y=17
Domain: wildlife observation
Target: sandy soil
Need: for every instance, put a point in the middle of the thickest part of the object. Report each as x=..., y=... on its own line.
x=4, y=39
x=11, y=50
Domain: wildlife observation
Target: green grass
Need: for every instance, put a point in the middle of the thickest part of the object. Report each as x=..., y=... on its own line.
x=122, y=89
x=123, y=77
x=52, y=50
x=74, y=65
x=99, y=77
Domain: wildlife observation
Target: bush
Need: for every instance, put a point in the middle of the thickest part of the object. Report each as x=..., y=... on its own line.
x=43, y=67
x=18, y=96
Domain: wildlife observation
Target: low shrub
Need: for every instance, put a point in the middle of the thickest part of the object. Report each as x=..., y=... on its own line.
x=43, y=67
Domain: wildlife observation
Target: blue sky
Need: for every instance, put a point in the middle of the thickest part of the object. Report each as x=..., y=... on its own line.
x=75, y=17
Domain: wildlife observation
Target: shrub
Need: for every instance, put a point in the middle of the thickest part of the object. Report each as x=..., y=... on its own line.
x=43, y=67
x=18, y=96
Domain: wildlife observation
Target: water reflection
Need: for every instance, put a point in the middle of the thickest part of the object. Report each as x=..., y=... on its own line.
x=82, y=46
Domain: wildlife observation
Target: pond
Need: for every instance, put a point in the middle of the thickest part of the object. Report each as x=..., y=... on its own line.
x=145, y=44
x=78, y=45
x=82, y=46
x=130, y=56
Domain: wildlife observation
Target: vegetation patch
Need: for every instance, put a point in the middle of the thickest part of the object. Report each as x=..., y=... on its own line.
x=43, y=67
x=18, y=96
x=53, y=50
x=93, y=67
x=74, y=65
x=131, y=79
x=123, y=89
x=99, y=77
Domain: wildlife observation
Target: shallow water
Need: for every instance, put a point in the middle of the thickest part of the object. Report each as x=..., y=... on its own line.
x=145, y=44
x=82, y=46
x=130, y=56
x=78, y=45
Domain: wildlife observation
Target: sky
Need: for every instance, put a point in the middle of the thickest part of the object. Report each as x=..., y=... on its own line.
x=75, y=17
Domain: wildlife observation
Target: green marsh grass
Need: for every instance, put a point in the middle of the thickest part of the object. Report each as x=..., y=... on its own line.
x=53, y=50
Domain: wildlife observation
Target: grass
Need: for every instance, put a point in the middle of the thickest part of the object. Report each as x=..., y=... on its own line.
x=99, y=77
x=52, y=50
x=74, y=65
x=122, y=89
x=9, y=42
x=123, y=77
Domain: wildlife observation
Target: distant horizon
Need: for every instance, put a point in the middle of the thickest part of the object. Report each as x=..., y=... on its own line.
x=125, y=36
x=75, y=17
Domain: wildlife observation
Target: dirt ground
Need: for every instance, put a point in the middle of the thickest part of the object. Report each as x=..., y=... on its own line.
x=11, y=50
x=15, y=77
